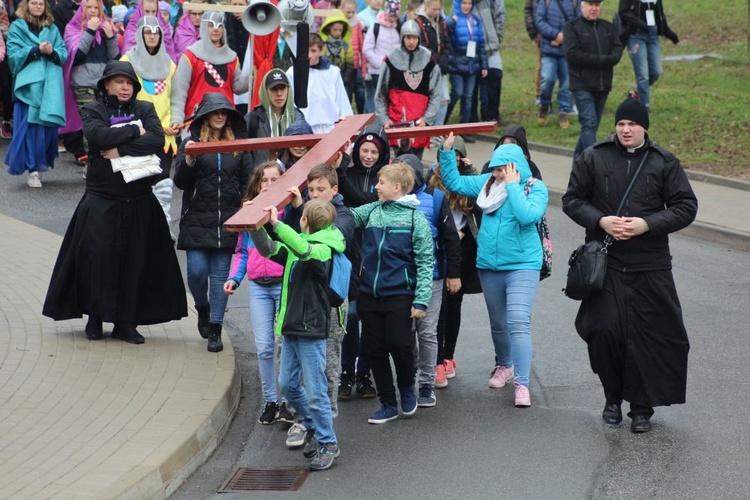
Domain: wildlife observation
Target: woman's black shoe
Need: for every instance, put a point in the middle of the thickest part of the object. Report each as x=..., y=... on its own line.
x=612, y=414
x=640, y=423
x=214, y=338
x=127, y=333
x=94, y=328
x=204, y=320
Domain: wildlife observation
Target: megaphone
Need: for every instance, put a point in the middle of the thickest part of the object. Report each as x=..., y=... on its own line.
x=294, y=12
x=261, y=17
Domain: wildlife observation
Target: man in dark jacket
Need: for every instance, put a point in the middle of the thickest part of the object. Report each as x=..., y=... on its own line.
x=529, y=11
x=592, y=49
x=636, y=338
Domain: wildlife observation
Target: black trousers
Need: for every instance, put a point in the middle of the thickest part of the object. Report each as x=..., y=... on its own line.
x=488, y=91
x=353, y=351
x=387, y=332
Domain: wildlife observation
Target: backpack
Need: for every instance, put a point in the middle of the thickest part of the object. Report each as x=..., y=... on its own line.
x=338, y=285
x=543, y=229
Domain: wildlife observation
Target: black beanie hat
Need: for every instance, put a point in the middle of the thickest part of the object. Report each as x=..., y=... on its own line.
x=633, y=110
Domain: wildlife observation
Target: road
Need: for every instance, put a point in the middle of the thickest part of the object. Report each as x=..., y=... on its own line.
x=474, y=443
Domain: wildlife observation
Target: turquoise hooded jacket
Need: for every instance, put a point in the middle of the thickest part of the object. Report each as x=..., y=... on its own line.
x=508, y=239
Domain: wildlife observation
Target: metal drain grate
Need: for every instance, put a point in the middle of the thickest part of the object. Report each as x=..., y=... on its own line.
x=265, y=479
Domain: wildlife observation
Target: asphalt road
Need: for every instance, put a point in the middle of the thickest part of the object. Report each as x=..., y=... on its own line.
x=474, y=443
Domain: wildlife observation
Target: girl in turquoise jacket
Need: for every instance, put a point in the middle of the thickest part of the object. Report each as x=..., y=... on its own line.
x=509, y=255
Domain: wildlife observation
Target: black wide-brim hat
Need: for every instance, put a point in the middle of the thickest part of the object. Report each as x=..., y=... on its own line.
x=119, y=68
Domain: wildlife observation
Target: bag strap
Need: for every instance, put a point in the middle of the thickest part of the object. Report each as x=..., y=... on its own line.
x=608, y=240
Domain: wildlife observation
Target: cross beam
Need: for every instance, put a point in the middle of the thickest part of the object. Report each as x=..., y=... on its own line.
x=324, y=149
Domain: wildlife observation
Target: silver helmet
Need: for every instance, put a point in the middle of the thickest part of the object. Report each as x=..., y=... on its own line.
x=410, y=28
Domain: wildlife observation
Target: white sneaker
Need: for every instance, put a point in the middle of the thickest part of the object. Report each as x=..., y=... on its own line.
x=34, y=181
x=574, y=111
x=296, y=435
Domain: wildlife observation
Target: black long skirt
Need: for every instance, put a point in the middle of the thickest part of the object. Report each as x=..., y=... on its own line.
x=117, y=261
x=636, y=338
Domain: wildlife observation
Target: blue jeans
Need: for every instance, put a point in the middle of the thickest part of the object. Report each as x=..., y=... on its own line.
x=590, y=110
x=462, y=87
x=303, y=360
x=207, y=271
x=510, y=296
x=555, y=69
x=370, y=88
x=645, y=53
x=264, y=304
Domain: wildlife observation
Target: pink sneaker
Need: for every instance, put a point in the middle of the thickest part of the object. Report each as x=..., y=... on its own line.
x=523, y=398
x=500, y=376
x=450, y=368
x=440, y=380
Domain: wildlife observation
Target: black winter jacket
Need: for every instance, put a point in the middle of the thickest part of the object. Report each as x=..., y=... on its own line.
x=592, y=49
x=661, y=195
x=214, y=186
x=632, y=14
x=441, y=50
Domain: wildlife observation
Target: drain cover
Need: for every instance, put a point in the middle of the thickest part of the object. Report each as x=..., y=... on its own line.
x=265, y=479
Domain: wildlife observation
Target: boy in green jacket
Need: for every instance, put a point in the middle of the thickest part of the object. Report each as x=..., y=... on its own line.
x=395, y=286
x=307, y=260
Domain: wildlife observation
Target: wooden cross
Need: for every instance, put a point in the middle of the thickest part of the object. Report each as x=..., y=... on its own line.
x=324, y=149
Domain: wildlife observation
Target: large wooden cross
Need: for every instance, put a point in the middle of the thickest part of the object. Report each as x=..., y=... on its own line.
x=324, y=149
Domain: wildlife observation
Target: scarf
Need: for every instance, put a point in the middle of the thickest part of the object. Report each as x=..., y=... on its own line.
x=494, y=200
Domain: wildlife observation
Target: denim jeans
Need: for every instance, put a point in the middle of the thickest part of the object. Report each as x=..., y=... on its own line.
x=462, y=87
x=370, y=88
x=510, y=296
x=303, y=361
x=645, y=53
x=590, y=110
x=207, y=271
x=353, y=351
x=264, y=304
x=427, y=340
x=490, y=92
x=555, y=69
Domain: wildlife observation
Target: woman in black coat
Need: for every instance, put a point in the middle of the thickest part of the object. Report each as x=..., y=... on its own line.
x=213, y=186
x=117, y=262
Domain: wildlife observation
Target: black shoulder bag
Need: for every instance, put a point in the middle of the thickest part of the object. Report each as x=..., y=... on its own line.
x=588, y=262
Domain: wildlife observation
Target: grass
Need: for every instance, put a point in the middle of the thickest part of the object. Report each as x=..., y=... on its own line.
x=699, y=108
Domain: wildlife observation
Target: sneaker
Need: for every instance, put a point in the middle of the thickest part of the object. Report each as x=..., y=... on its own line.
x=345, y=387
x=426, y=397
x=311, y=444
x=408, y=400
x=365, y=389
x=563, y=120
x=440, y=379
x=285, y=415
x=325, y=456
x=295, y=436
x=6, y=130
x=500, y=376
x=542, y=117
x=450, y=368
x=573, y=111
x=34, y=181
x=384, y=414
x=523, y=398
x=633, y=94
x=269, y=415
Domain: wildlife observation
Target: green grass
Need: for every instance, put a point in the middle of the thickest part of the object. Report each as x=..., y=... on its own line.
x=700, y=108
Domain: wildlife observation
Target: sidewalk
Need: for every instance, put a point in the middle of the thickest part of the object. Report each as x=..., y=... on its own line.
x=82, y=419
x=722, y=202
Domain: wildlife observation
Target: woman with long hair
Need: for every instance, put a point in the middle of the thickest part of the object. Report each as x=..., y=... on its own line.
x=36, y=53
x=213, y=185
x=264, y=278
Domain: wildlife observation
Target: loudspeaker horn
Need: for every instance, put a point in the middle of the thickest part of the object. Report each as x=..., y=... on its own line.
x=261, y=17
x=294, y=12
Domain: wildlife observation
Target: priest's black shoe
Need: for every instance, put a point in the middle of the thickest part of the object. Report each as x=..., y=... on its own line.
x=94, y=328
x=127, y=333
x=640, y=423
x=612, y=414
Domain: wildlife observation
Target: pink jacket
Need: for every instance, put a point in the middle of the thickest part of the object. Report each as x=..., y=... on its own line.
x=375, y=52
x=247, y=260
